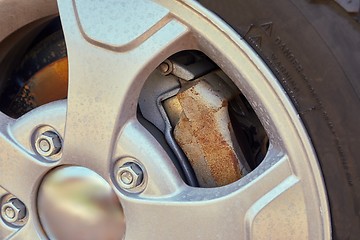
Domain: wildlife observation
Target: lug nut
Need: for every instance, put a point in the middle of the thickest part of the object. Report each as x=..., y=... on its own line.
x=129, y=175
x=13, y=211
x=48, y=144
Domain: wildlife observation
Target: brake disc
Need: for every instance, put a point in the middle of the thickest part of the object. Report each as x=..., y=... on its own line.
x=41, y=77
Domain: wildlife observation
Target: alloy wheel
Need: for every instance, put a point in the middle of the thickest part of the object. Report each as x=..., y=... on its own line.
x=113, y=47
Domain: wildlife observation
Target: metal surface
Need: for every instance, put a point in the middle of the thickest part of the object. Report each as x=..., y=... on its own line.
x=129, y=175
x=41, y=74
x=205, y=133
x=189, y=65
x=166, y=67
x=49, y=84
x=284, y=197
x=48, y=144
x=156, y=89
x=76, y=203
x=13, y=211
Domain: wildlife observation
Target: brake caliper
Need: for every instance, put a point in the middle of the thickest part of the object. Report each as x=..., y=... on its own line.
x=204, y=131
x=211, y=129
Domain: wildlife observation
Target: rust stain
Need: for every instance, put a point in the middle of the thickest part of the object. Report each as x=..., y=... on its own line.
x=203, y=134
x=50, y=83
x=47, y=85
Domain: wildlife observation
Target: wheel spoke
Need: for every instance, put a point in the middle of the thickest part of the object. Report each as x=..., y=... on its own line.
x=245, y=209
x=5, y=231
x=21, y=171
x=28, y=232
x=107, y=71
x=137, y=142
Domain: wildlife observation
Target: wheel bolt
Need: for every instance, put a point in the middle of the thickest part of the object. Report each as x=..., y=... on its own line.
x=129, y=175
x=44, y=145
x=9, y=213
x=166, y=67
x=48, y=144
x=13, y=211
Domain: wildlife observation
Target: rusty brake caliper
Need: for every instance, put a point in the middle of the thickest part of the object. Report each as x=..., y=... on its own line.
x=193, y=107
x=204, y=131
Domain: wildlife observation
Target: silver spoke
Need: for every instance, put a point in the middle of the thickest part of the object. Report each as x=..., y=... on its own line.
x=107, y=73
x=163, y=178
x=5, y=231
x=231, y=212
x=30, y=231
x=21, y=171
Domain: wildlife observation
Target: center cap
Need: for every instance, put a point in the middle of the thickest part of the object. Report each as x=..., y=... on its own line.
x=76, y=203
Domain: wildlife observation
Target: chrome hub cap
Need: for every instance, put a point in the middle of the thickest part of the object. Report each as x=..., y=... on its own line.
x=113, y=48
x=76, y=203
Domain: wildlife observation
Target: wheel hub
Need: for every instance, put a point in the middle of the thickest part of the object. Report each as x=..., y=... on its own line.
x=76, y=203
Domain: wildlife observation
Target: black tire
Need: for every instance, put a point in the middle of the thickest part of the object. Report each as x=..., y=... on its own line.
x=313, y=47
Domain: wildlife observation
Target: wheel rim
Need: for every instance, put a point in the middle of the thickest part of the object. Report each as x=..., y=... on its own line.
x=285, y=196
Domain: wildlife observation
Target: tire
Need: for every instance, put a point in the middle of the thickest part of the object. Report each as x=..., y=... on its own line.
x=313, y=47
